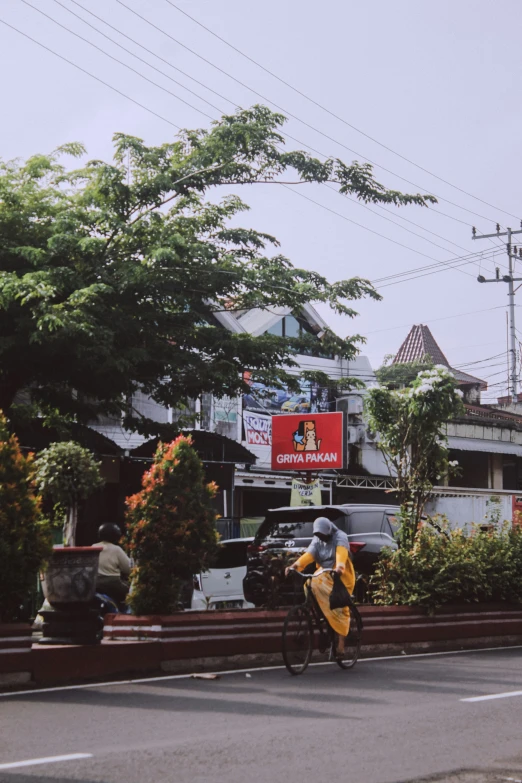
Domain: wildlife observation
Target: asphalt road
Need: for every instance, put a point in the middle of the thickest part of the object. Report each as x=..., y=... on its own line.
x=386, y=721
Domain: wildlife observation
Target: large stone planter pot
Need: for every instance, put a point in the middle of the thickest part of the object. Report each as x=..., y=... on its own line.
x=70, y=580
x=69, y=584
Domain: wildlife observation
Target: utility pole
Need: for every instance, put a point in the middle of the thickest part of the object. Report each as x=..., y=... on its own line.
x=510, y=280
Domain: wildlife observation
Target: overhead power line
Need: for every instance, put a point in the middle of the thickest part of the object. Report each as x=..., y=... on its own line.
x=447, y=264
x=117, y=60
x=229, y=100
x=137, y=43
x=344, y=217
x=196, y=109
x=436, y=267
x=333, y=114
x=479, y=361
x=442, y=318
x=290, y=114
x=88, y=73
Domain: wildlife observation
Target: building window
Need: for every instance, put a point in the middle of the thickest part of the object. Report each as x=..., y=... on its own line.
x=292, y=327
x=277, y=328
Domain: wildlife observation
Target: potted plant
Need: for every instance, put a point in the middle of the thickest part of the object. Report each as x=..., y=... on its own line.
x=67, y=473
x=170, y=529
x=25, y=539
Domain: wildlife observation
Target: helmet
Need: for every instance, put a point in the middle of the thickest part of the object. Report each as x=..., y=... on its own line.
x=109, y=532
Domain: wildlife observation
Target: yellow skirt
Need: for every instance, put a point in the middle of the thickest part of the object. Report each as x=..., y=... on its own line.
x=322, y=585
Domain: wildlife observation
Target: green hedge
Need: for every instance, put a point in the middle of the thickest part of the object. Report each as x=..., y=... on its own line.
x=453, y=566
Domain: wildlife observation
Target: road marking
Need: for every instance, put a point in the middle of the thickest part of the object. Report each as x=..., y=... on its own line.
x=492, y=696
x=46, y=760
x=166, y=677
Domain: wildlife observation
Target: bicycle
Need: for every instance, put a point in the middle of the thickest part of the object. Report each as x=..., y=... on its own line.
x=300, y=624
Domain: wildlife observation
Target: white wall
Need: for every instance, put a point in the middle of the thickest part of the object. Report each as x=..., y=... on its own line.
x=475, y=507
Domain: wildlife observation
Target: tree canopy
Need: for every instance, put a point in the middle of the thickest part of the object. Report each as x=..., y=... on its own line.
x=112, y=275
x=401, y=374
x=411, y=423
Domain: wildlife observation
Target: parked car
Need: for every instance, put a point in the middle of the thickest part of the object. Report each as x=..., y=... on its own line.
x=277, y=398
x=287, y=532
x=222, y=586
x=299, y=403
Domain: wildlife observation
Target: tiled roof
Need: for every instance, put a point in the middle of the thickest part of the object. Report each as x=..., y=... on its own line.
x=418, y=344
x=464, y=378
x=421, y=343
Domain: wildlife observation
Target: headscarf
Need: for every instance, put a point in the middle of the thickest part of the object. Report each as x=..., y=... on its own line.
x=323, y=525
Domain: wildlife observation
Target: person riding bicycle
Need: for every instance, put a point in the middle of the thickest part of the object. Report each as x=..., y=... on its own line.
x=329, y=548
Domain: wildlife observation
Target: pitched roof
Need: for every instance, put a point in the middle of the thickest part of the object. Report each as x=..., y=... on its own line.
x=421, y=343
x=464, y=378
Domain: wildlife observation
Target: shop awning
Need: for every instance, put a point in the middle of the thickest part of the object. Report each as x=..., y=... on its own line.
x=488, y=446
x=35, y=436
x=210, y=446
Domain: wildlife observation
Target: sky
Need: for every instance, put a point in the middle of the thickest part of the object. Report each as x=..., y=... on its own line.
x=431, y=82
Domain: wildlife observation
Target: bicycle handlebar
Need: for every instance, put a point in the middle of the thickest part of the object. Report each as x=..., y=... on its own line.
x=312, y=576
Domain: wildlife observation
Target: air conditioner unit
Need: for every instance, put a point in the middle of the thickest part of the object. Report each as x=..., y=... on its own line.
x=355, y=434
x=351, y=404
x=355, y=405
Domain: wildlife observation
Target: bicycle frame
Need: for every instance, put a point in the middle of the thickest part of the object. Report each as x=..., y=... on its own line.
x=319, y=621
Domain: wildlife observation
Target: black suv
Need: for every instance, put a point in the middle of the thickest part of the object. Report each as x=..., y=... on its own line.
x=287, y=532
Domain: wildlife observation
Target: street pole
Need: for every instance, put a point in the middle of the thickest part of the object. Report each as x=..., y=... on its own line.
x=512, y=333
x=510, y=280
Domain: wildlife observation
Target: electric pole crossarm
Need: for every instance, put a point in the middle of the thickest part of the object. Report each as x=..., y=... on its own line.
x=492, y=236
x=498, y=233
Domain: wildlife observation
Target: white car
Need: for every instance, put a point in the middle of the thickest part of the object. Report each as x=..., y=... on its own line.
x=222, y=586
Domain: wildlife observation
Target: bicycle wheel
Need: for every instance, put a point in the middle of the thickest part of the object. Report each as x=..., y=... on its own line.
x=352, y=646
x=297, y=639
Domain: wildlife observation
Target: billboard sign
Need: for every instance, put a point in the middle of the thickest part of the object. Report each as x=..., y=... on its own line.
x=258, y=429
x=308, y=441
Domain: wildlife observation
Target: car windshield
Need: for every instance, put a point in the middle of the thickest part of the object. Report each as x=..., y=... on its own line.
x=297, y=398
x=297, y=528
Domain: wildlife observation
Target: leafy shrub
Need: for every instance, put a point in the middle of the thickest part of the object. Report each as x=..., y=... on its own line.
x=67, y=473
x=25, y=541
x=170, y=528
x=453, y=566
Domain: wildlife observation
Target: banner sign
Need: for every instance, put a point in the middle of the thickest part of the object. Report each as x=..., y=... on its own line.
x=308, y=441
x=305, y=494
x=258, y=429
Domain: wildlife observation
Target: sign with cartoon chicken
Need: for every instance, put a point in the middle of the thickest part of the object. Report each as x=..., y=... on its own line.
x=308, y=441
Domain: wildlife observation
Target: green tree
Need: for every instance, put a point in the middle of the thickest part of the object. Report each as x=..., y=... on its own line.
x=25, y=541
x=112, y=275
x=170, y=528
x=397, y=376
x=67, y=473
x=411, y=424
